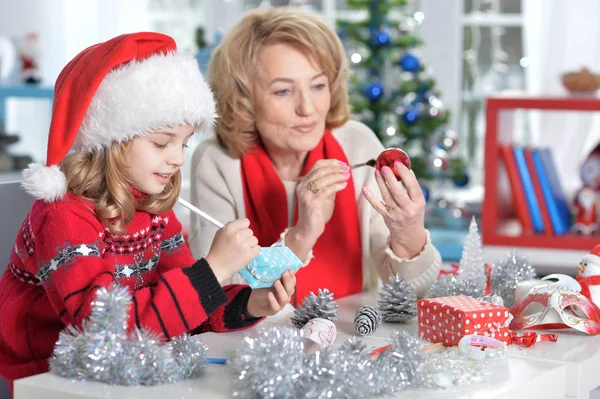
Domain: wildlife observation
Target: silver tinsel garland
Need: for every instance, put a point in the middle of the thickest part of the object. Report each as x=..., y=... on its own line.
x=397, y=301
x=322, y=306
x=507, y=272
x=449, y=285
x=274, y=365
x=103, y=351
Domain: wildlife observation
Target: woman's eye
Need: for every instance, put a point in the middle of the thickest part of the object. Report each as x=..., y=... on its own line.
x=282, y=92
x=320, y=86
x=157, y=145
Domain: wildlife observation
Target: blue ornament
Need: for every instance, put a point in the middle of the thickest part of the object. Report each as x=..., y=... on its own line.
x=425, y=193
x=380, y=38
x=410, y=63
x=373, y=91
x=410, y=116
x=461, y=181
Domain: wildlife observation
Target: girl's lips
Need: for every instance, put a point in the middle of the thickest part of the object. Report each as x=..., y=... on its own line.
x=163, y=178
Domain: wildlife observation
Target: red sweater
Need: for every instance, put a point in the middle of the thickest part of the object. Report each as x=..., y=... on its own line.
x=63, y=254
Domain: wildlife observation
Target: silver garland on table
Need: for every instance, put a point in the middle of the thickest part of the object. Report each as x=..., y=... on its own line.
x=367, y=320
x=102, y=350
x=449, y=285
x=322, y=306
x=507, y=272
x=274, y=365
x=397, y=300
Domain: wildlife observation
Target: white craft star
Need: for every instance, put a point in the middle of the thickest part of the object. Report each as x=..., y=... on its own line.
x=53, y=264
x=127, y=271
x=84, y=250
x=150, y=264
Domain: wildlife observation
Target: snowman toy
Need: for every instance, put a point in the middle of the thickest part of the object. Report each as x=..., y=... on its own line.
x=589, y=275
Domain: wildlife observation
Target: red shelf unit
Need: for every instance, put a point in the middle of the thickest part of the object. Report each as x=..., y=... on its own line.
x=491, y=219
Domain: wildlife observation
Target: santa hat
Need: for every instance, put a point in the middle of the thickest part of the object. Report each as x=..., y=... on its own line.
x=593, y=255
x=114, y=91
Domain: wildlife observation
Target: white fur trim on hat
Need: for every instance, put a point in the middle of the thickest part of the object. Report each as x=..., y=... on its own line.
x=48, y=183
x=140, y=96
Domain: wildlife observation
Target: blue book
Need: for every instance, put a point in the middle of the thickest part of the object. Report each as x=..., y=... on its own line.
x=559, y=225
x=532, y=202
x=557, y=191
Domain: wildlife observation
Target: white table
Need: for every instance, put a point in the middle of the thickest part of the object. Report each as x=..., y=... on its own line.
x=578, y=352
x=520, y=377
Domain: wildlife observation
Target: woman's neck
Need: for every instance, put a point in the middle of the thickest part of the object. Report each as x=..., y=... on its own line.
x=288, y=164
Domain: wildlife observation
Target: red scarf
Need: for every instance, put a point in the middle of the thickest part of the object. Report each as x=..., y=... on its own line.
x=337, y=262
x=585, y=283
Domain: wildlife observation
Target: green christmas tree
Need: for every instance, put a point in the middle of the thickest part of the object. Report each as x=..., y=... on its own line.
x=393, y=93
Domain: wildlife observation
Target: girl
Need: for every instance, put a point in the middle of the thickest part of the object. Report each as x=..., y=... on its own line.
x=127, y=108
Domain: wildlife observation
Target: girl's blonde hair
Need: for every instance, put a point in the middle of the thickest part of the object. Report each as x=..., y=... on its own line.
x=98, y=177
x=233, y=66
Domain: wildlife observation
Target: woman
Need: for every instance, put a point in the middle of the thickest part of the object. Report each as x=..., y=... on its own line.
x=281, y=158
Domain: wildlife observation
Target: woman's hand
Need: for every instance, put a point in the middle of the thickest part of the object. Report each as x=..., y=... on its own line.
x=403, y=210
x=269, y=301
x=316, y=200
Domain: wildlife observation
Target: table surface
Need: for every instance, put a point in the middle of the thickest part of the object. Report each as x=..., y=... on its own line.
x=548, y=370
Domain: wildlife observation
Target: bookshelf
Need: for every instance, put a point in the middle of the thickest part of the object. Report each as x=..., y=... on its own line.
x=500, y=233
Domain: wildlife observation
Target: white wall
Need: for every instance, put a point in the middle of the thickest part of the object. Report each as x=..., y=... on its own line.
x=65, y=27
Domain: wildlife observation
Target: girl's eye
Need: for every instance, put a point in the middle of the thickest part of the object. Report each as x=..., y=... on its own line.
x=157, y=145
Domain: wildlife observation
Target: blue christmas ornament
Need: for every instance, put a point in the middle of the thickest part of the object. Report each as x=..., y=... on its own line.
x=461, y=181
x=410, y=116
x=373, y=91
x=380, y=38
x=410, y=63
x=425, y=192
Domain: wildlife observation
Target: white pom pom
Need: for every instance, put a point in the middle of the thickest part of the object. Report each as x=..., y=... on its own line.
x=48, y=183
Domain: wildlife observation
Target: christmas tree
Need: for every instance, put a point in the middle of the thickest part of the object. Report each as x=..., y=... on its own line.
x=471, y=263
x=392, y=91
x=471, y=277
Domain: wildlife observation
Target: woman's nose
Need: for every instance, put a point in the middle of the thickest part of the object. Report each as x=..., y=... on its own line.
x=305, y=105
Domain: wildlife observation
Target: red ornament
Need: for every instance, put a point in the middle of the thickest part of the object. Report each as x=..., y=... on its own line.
x=389, y=157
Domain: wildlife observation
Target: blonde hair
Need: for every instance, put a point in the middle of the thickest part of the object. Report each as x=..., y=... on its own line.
x=98, y=177
x=233, y=65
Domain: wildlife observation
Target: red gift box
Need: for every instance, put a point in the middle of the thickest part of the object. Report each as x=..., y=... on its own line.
x=448, y=319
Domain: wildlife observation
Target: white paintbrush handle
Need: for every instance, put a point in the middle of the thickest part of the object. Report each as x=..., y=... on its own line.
x=200, y=213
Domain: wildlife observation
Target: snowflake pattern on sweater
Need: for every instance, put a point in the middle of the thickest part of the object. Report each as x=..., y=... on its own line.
x=63, y=254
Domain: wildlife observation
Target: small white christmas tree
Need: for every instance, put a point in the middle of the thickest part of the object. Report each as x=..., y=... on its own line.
x=471, y=277
x=471, y=264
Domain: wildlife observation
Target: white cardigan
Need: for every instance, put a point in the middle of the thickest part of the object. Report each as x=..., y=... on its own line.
x=216, y=188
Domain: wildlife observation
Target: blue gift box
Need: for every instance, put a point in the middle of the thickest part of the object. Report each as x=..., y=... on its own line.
x=268, y=267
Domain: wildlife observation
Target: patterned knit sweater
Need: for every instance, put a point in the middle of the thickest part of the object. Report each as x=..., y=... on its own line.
x=63, y=254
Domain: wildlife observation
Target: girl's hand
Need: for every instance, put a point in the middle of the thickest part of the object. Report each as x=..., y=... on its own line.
x=269, y=301
x=233, y=247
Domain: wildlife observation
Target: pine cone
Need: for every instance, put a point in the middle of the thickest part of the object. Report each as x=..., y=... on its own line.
x=313, y=306
x=367, y=320
x=397, y=301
